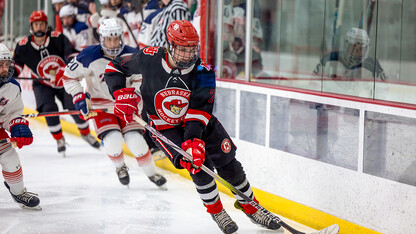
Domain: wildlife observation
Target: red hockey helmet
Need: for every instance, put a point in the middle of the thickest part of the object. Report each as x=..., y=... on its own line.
x=183, y=43
x=38, y=16
x=183, y=33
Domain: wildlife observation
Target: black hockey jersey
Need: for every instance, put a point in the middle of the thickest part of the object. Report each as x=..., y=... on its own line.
x=172, y=97
x=44, y=60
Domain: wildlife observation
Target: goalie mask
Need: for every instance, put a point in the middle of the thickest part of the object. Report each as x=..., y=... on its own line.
x=111, y=37
x=38, y=16
x=183, y=43
x=356, y=46
x=6, y=64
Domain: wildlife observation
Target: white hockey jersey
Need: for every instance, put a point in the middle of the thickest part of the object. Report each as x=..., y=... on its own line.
x=90, y=64
x=11, y=107
x=80, y=35
x=332, y=65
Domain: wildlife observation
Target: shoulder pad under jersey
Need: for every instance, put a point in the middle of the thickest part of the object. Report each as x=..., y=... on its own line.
x=89, y=55
x=79, y=26
x=55, y=34
x=23, y=41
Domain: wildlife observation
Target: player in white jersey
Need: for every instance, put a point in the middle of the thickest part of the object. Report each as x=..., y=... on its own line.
x=90, y=64
x=11, y=108
x=352, y=62
x=78, y=33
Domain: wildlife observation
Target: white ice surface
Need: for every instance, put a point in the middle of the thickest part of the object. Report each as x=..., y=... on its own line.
x=81, y=194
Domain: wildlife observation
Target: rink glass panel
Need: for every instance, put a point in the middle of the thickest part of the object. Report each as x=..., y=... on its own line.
x=225, y=108
x=321, y=132
x=253, y=117
x=233, y=39
x=296, y=34
x=19, y=24
x=389, y=147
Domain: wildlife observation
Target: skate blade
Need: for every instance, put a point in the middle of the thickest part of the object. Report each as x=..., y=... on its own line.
x=30, y=208
x=163, y=187
x=62, y=154
x=333, y=229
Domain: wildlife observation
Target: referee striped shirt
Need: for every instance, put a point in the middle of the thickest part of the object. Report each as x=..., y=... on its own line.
x=176, y=10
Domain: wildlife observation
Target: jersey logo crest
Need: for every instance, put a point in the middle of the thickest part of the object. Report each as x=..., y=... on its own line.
x=49, y=66
x=175, y=106
x=23, y=41
x=150, y=50
x=125, y=59
x=226, y=146
x=172, y=104
x=3, y=101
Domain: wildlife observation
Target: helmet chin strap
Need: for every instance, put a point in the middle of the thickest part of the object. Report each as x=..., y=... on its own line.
x=39, y=33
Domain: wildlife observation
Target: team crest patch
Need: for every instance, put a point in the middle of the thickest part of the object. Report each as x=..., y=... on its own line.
x=49, y=66
x=172, y=104
x=226, y=146
x=3, y=101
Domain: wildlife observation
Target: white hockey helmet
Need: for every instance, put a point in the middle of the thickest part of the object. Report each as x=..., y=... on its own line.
x=67, y=10
x=356, y=46
x=111, y=28
x=102, y=2
x=57, y=1
x=6, y=55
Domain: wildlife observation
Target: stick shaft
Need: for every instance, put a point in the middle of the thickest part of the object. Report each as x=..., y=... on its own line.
x=58, y=113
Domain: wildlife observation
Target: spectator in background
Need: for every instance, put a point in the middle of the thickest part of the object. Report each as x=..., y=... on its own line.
x=78, y=33
x=352, y=61
x=57, y=5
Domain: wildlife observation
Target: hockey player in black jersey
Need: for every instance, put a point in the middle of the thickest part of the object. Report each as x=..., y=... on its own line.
x=178, y=93
x=45, y=53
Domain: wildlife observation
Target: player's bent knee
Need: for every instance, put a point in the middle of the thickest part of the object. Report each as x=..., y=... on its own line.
x=136, y=143
x=10, y=160
x=113, y=143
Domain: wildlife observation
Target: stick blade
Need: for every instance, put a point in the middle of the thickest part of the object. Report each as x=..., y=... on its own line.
x=333, y=229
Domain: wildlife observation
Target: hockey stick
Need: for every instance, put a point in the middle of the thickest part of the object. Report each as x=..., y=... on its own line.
x=58, y=113
x=29, y=78
x=338, y=15
x=369, y=15
x=333, y=229
x=125, y=21
x=9, y=140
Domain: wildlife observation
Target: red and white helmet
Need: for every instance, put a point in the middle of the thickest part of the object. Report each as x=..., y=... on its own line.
x=38, y=16
x=6, y=55
x=181, y=33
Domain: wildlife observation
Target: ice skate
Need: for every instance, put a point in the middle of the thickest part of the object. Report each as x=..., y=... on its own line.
x=159, y=180
x=123, y=175
x=91, y=140
x=260, y=219
x=224, y=221
x=157, y=154
x=61, y=146
x=26, y=200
